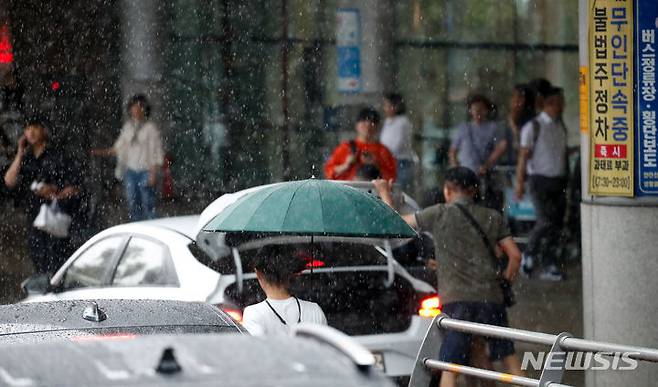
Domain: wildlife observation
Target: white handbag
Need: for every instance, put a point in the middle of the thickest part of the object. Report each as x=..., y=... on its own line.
x=52, y=220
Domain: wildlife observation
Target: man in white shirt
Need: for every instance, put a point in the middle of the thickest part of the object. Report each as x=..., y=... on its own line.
x=543, y=158
x=275, y=268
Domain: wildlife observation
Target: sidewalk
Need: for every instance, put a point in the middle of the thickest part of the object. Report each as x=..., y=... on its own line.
x=550, y=307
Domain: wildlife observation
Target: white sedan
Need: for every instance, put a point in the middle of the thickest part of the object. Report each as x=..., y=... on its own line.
x=362, y=292
x=156, y=259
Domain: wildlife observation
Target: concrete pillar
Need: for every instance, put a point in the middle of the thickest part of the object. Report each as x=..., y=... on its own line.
x=377, y=51
x=620, y=286
x=141, y=25
x=620, y=267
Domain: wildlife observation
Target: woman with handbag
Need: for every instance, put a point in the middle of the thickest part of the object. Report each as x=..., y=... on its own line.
x=140, y=155
x=41, y=175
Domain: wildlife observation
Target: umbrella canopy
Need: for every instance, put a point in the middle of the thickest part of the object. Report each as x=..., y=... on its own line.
x=311, y=207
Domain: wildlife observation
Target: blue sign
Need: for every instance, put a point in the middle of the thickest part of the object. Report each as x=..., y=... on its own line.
x=348, y=44
x=646, y=37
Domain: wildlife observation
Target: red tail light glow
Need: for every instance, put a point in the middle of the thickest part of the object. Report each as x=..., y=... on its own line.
x=314, y=264
x=430, y=306
x=234, y=312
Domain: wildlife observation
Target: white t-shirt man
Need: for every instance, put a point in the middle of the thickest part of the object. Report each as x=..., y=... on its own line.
x=280, y=315
x=548, y=154
x=396, y=136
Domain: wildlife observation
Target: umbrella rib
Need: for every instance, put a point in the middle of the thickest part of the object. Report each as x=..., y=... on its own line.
x=290, y=203
x=321, y=210
x=348, y=199
x=261, y=203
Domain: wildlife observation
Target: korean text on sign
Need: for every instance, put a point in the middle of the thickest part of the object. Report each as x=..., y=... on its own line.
x=611, y=97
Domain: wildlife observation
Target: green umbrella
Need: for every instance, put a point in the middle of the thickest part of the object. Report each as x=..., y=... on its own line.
x=311, y=207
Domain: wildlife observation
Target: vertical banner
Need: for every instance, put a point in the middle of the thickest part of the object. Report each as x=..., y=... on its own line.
x=348, y=45
x=646, y=26
x=583, y=92
x=610, y=41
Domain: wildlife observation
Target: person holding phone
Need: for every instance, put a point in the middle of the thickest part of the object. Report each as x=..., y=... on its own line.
x=41, y=175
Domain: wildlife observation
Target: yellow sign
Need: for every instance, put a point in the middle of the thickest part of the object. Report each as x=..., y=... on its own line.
x=583, y=91
x=610, y=83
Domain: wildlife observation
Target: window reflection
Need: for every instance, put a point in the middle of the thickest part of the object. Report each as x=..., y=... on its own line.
x=93, y=263
x=143, y=263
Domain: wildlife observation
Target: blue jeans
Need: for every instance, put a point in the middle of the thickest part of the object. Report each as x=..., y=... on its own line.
x=406, y=172
x=456, y=346
x=141, y=197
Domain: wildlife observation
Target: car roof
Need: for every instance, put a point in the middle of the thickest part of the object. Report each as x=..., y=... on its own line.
x=201, y=360
x=58, y=316
x=181, y=224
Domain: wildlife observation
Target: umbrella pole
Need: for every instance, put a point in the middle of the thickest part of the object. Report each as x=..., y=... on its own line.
x=389, y=263
x=239, y=278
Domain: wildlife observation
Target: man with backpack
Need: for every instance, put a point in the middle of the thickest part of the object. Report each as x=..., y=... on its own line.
x=365, y=151
x=542, y=161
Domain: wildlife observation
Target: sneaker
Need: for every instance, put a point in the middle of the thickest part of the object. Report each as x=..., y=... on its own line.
x=527, y=264
x=551, y=273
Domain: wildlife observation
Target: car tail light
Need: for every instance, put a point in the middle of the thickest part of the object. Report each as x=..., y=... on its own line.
x=233, y=311
x=314, y=264
x=430, y=306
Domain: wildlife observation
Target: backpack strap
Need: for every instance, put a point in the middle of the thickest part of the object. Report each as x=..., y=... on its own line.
x=536, y=128
x=353, y=148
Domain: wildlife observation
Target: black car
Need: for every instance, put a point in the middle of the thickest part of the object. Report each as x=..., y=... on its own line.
x=84, y=320
x=324, y=357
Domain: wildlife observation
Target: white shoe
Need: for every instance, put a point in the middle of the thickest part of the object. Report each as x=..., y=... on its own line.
x=527, y=264
x=551, y=273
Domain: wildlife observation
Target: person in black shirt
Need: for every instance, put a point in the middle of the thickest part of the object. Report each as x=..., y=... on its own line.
x=40, y=175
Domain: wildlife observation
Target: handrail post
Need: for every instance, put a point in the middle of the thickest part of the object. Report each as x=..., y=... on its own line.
x=421, y=376
x=555, y=363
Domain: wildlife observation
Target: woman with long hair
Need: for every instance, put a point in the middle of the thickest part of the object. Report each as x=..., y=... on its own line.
x=396, y=135
x=139, y=156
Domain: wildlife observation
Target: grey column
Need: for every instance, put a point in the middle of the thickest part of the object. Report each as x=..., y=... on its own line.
x=620, y=268
x=141, y=24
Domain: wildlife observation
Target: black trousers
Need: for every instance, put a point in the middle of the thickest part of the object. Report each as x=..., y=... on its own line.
x=48, y=253
x=548, y=195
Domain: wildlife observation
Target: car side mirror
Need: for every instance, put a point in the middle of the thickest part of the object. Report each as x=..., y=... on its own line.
x=36, y=284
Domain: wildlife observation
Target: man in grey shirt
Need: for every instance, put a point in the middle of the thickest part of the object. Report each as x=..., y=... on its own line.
x=477, y=145
x=543, y=159
x=467, y=278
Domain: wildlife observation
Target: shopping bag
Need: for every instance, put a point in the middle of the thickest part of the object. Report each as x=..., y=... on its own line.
x=52, y=220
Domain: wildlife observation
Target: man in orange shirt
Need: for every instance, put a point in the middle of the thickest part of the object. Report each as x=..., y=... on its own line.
x=366, y=150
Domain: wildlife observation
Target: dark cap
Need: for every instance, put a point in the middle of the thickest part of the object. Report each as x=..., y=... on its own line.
x=368, y=114
x=462, y=177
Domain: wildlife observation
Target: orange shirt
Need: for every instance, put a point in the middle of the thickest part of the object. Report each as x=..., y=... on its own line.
x=383, y=159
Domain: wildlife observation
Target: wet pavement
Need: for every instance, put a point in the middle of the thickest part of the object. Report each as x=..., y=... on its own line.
x=550, y=307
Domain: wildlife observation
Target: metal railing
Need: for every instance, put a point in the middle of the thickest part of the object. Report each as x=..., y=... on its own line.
x=421, y=375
